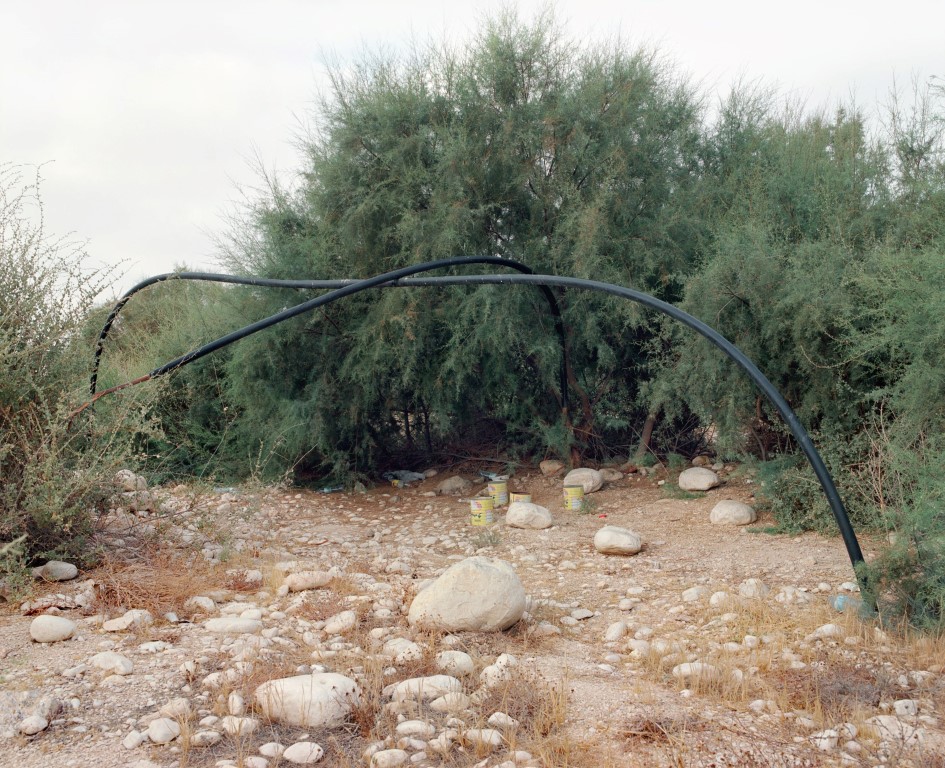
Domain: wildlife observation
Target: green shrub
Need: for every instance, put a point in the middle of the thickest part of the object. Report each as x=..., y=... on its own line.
x=907, y=579
x=53, y=479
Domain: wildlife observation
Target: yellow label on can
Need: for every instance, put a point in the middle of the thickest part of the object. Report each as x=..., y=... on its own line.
x=499, y=491
x=525, y=498
x=481, y=509
x=573, y=496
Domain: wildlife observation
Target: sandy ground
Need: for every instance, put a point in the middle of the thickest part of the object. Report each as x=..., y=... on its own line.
x=623, y=708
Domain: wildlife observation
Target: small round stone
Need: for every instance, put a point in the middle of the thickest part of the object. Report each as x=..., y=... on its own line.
x=303, y=753
x=32, y=725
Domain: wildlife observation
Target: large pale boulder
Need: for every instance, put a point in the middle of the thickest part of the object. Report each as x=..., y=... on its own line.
x=478, y=594
x=51, y=629
x=614, y=540
x=522, y=514
x=698, y=479
x=590, y=479
x=729, y=512
x=308, y=701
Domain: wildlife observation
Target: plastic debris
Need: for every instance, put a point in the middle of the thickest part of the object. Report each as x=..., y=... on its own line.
x=405, y=476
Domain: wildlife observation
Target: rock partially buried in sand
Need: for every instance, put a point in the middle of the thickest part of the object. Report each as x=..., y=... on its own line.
x=423, y=688
x=550, y=467
x=303, y=580
x=479, y=594
x=133, y=619
x=589, y=479
x=613, y=540
x=309, y=701
x=698, y=479
x=729, y=512
x=233, y=625
x=523, y=514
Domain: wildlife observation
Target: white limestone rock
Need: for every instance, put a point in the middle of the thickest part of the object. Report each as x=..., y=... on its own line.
x=402, y=650
x=753, y=589
x=589, y=479
x=484, y=738
x=698, y=479
x=30, y=726
x=478, y=594
x=303, y=753
x=304, y=580
x=696, y=670
x=522, y=514
x=233, y=625
x=51, y=629
x=451, y=703
x=423, y=688
x=163, y=730
x=234, y=725
x=206, y=738
x=135, y=618
x=341, y=623
x=457, y=663
x=389, y=758
x=309, y=701
x=56, y=570
x=113, y=663
x=614, y=540
x=729, y=512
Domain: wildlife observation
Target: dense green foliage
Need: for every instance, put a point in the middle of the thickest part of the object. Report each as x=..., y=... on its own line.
x=574, y=161
x=812, y=242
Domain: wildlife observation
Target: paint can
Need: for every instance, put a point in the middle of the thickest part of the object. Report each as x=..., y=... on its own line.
x=499, y=491
x=573, y=497
x=525, y=498
x=481, y=508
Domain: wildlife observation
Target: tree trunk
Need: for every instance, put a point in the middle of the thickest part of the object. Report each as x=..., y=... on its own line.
x=645, y=438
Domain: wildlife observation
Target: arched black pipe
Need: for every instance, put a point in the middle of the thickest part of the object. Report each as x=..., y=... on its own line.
x=334, y=284
x=760, y=380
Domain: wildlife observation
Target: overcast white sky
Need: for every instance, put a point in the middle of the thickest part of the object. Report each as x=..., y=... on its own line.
x=146, y=114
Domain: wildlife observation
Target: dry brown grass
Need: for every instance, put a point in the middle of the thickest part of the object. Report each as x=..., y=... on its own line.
x=157, y=579
x=539, y=704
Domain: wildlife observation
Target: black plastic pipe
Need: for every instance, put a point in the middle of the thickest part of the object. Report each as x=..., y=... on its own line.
x=265, y=282
x=758, y=378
